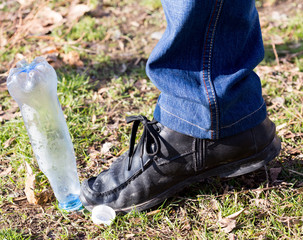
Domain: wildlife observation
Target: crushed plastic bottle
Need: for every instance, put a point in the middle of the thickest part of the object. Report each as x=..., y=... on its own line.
x=34, y=87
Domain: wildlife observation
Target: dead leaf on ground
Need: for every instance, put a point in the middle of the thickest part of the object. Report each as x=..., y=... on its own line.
x=232, y=236
x=281, y=126
x=6, y=171
x=141, y=84
x=53, y=60
x=3, y=87
x=45, y=197
x=8, y=116
x=228, y=223
x=274, y=173
x=106, y=148
x=45, y=21
x=235, y=215
x=278, y=101
x=30, y=185
x=8, y=142
x=25, y=3
x=94, y=155
x=77, y=11
x=3, y=40
x=50, y=50
x=73, y=58
x=103, y=90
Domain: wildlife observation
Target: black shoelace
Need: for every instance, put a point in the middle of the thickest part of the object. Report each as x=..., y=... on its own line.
x=149, y=136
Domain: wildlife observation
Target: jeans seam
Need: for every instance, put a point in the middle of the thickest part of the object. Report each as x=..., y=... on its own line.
x=230, y=125
x=184, y=120
x=209, y=51
x=209, y=67
x=203, y=64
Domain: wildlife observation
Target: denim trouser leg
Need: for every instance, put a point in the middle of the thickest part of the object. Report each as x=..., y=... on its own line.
x=203, y=66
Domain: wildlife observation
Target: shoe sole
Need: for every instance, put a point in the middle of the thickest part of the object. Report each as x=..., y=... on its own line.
x=233, y=169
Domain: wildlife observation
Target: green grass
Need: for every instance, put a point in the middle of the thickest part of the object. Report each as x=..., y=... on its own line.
x=87, y=29
x=113, y=84
x=10, y=234
x=289, y=33
x=152, y=4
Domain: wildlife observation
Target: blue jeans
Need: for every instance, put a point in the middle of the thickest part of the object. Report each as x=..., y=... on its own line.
x=203, y=66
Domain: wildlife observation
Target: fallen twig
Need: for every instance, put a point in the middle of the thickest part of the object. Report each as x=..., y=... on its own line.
x=293, y=171
x=275, y=52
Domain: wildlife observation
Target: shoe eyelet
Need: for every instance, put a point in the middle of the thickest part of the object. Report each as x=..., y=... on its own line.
x=156, y=158
x=158, y=129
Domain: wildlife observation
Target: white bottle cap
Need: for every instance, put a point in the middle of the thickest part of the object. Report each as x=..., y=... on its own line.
x=103, y=214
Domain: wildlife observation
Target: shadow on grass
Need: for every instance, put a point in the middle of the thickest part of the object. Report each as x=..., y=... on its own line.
x=101, y=73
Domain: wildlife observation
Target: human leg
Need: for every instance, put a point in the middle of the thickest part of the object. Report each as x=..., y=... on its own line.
x=203, y=66
x=210, y=119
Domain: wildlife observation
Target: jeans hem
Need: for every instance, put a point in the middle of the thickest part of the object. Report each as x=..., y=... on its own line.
x=174, y=121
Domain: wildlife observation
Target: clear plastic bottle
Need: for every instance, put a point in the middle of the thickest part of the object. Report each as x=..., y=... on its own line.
x=34, y=87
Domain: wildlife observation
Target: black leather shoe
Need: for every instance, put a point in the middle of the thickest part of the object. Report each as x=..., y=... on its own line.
x=165, y=161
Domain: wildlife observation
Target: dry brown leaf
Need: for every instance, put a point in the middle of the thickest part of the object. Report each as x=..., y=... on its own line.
x=93, y=154
x=30, y=185
x=45, y=196
x=281, y=126
x=73, y=58
x=77, y=11
x=48, y=17
x=103, y=90
x=274, y=173
x=45, y=20
x=3, y=88
x=25, y=3
x=50, y=50
x=279, y=101
x=232, y=236
x=3, y=41
x=235, y=215
x=6, y=171
x=53, y=60
x=8, y=116
x=227, y=224
x=8, y=142
x=141, y=84
x=106, y=148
